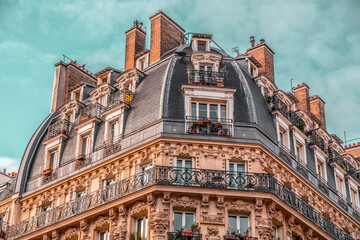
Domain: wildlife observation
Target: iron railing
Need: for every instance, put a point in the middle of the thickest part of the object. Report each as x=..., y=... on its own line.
x=297, y=121
x=191, y=177
x=61, y=126
x=118, y=97
x=112, y=145
x=89, y=112
x=218, y=126
x=208, y=78
x=49, y=176
x=182, y=236
x=315, y=139
x=83, y=160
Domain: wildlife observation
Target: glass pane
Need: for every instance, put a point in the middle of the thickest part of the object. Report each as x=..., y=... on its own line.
x=193, y=109
x=144, y=235
x=188, y=164
x=244, y=224
x=202, y=111
x=202, y=68
x=179, y=163
x=177, y=221
x=223, y=112
x=231, y=167
x=209, y=68
x=232, y=224
x=214, y=112
x=189, y=220
x=241, y=167
x=201, y=46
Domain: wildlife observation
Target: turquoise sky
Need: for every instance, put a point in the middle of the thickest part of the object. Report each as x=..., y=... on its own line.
x=316, y=42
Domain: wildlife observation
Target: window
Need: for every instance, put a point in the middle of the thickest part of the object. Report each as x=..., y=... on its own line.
x=142, y=64
x=237, y=167
x=69, y=117
x=77, y=96
x=201, y=45
x=52, y=159
x=45, y=211
x=300, y=156
x=141, y=228
x=236, y=175
x=113, y=131
x=129, y=87
x=340, y=184
x=85, y=145
x=354, y=197
x=277, y=232
x=239, y=224
x=321, y=170
x=79, y=197
x=281, y=139
x=182, y=163
x=214, y=111
x=184, y=171
x=109, y=188
x=104, y=235
x=183, y=220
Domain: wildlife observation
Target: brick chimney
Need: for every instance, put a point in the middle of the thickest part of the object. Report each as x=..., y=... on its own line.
x=135, y=43
x=165, y=35
x=265, y=56
x=317, y=107
x=66, y=77
x=302, y=94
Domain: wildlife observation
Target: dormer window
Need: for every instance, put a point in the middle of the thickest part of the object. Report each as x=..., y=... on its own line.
x=85, y=145
x=201, y=46
x=52, y=159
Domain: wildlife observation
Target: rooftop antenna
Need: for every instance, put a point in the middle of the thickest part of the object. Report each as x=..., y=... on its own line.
x=345, y=137
x=236, y=50
x=292, y=90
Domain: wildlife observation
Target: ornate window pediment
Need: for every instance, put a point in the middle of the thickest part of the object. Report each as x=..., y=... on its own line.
x=130, y=79
x=99, y=94
x=206, y=58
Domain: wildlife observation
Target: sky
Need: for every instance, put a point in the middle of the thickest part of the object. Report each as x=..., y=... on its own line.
x=316, y=42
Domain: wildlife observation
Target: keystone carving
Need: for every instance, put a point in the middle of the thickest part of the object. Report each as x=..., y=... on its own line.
x=70, y=232
x=213, y=233
x=101, y=221
x=138, y=207
x=185, y=202
x=240, y=206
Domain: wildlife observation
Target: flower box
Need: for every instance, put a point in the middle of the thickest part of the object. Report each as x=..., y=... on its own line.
x=188, y=234
x=207, y=120
x=47, y=171
x=198, y=122
x=217, y=124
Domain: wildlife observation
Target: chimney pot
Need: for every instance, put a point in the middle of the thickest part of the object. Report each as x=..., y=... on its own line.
x=252, y=41
x=140, y=25
x=303, y=83
x=4, y=170
x=262, y=40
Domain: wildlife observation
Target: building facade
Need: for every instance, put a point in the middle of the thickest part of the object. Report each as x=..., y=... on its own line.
x=186, y=142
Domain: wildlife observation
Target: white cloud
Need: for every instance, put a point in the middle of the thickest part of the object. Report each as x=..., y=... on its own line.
x=10, y=164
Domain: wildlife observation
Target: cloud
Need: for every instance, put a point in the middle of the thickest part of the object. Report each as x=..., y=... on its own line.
x=10, y=164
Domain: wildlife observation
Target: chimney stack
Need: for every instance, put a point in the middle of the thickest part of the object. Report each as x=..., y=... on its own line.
x=265, y=56
x=302, y=94
x=135, y=43
x=165, y=35
x=317, y=107
x=252, y=41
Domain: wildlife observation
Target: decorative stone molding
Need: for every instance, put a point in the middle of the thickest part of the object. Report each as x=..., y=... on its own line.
x=166, y=201
x=212, y=233
x=55, y=235
x=113, y=216
x=240, y=206
x=101, y=221
x=205, y=203
x=138, y=208
x=264, y=227
x=151, y=199
x=46, y=237
x=293, y=228
x=123, y=213
x=185, y=202
x=70, y=232
x=198, y=58
x=159, y=222
x=220, y=205
x=84, y=227
x=212, y=219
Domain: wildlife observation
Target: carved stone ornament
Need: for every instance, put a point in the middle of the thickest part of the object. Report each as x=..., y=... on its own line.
x=151, y=200
x=213, y=219
x=159, y=222
x=138, y=207
x=46, y=237
x=185, y=202
x=213, y=233
x=70, y=232
x=101, y=221
x=84, y=226
x=205, y=203
x=113, y=215
x=55, y=235
x=240, y=206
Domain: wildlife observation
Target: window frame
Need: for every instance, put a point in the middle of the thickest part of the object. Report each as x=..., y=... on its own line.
x=183, y=218
x=200, y=42
x=208, y=109
x=145, y=228
x=107, y=234
x=88, y=143
x=238, y=225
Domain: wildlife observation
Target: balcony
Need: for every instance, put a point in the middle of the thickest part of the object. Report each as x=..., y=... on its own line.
x=297, y=121
x=238, y=237
x=185, y=177
x=183, y=236
x=118, y=97
x=49, y=175
x=89, y=112
x=220, y=127
x=112, y=146
x=342, y=200
x=322, y=184
x=206, y=78
x=62, y=126
x=315, y=139
x=83, y=160
x=302, y=168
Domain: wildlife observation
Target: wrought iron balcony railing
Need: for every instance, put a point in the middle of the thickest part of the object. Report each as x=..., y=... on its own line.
x=208, y=78
x=118, y=97
x=315, y=139
x=218, y=126
x=190, y=177
x=91, y=111
x=83, y=160
x=297, y=121
x=61, y=126
x=49, y=176
x=183, y=236
x=112, y=145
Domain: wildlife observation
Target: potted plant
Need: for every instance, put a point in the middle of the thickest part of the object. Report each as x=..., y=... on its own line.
x=84, y=118
x=47, y=171
x=198, y=122
x=195, y=228
x=301, y=125
x=223, y=133
x=187, y=233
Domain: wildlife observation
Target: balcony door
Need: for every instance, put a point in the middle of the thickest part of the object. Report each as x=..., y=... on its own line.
x=236, y=174
x=184, y=171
